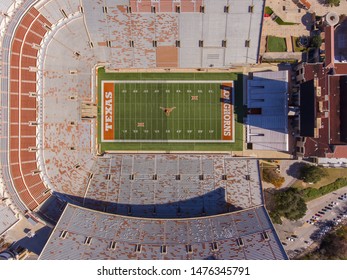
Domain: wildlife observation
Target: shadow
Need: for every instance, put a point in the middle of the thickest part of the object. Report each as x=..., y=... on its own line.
x=323, y=3
x=323, y=227
x=285, y=66
x=294, y=169
x=267, y=110
x=211, y=257
x=308, y=21
x=211, y=203
x=340, y=42
x=51, y=210
x=36, y=243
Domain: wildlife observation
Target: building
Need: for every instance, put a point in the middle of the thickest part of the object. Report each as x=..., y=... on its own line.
x=49, y=51
x=322, y=125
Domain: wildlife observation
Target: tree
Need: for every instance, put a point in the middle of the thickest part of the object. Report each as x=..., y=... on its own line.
x=312, y=174
x=289, y=204
x=332, y=247
x=332, y=3
x=270, y=176
x=316, y=41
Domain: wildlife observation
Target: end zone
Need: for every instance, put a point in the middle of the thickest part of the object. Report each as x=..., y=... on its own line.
x=107, y=111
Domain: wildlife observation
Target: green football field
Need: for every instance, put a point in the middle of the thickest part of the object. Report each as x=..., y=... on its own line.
x=166, y=112
x=193, y=111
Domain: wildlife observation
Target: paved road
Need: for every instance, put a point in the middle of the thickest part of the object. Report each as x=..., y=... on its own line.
x=304, y=230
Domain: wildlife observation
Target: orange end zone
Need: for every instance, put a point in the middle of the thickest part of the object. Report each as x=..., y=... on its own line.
x=227, y=111
x=108, y=116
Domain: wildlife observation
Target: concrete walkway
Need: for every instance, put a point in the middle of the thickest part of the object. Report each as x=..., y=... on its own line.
x=289, y=43
x=282, y=55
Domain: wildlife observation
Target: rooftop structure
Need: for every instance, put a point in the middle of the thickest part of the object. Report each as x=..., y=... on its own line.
x=267, y=103
x=86, y=234
x=7, y=218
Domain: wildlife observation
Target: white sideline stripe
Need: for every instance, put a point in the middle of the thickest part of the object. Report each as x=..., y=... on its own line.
x=167, y=141
x=156, y=82
x=167, y=82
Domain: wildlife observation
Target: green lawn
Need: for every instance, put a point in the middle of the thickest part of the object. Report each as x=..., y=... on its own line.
x=296, y=46
x=268, y=10
x=190, y=120
x=276, y=44
x=333, y=174
x=279, y=21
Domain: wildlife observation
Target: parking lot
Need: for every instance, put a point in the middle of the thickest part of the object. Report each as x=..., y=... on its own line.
x=322, y=214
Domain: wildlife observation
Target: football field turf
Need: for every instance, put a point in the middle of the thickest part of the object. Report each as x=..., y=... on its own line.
x=164, y=111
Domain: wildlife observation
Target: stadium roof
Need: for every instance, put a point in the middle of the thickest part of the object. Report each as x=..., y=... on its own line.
x=87, y=234
x=267, y=119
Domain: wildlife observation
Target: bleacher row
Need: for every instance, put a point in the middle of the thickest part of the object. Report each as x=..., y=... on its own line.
x=23, y=111
x=86, y=234
x=165, y=6
x=156, y=185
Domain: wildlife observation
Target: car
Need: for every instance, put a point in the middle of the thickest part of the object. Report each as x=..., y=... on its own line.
x=340, y=198
x=294, y=236
x=321, y=212
x=328, y=208
x=318, y=215
x=324, y=210
x=290, y=238
x=284, y=243
x=335, y=203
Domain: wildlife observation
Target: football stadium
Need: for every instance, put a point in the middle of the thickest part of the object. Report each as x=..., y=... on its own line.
x=118, y=122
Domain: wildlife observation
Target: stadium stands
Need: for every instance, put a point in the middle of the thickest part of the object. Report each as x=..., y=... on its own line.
x=86, y=234
x=159, y=185
x=23, y=113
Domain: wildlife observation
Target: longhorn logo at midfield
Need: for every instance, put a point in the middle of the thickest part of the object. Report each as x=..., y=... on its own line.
x=167, y=111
